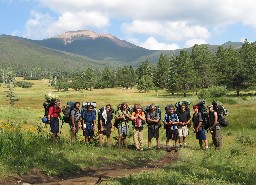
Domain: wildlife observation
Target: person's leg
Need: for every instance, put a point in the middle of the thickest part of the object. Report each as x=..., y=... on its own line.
x=200, y=143
x=86, y=139
x=108, y=140
x=101, y=139
x=135, y=138
x=206, y=144
x=218, y=139
x=54, y=137
x=180, y=136
x=140, y=137
x=149, y=143
x=185, y=133
x=157, y=143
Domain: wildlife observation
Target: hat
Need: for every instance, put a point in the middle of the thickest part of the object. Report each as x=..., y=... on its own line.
x=195, y=107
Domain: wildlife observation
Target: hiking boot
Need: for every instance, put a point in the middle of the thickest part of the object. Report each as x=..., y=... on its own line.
x=158, y=148
x=141, y=149
x=185, y=145
x=180, y=145
x=149, y=148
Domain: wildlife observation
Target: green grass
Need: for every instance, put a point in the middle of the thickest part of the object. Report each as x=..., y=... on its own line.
x=23, y=149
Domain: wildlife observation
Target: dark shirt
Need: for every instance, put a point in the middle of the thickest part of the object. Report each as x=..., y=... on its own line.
x=197, y=118
x=184, y=116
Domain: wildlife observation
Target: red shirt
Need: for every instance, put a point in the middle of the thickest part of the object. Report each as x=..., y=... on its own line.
x=54, y=111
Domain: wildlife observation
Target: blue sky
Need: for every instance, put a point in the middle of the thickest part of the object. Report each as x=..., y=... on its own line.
x=154, y=24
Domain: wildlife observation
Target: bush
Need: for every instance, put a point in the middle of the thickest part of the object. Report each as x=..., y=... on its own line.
x=24, y=84
x=217, y=91
x=203, y=94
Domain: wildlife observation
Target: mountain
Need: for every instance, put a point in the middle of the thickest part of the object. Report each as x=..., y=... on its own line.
x=96, y=46
x=18, y=53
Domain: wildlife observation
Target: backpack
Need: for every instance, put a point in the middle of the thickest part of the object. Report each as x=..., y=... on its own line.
x=67, y=112
x=204, y=113
x=85, y=105
x=222, y=113
x=180, y=103
x=47, y=104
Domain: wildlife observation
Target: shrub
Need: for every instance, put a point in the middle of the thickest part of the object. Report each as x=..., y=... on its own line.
x=217, y=91
x=203, y=94
x=24, y=84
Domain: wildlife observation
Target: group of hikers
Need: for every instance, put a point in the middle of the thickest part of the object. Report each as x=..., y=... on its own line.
x=177, y=121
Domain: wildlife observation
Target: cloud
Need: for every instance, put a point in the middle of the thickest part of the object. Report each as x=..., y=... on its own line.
x=168, y=30
x=152, y=44
x=192, y=42
x=42, y=25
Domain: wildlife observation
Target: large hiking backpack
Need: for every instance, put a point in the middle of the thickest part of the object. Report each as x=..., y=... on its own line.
x=67, y=112
x=180, y=103
x=85, y=105
x=205, y=114
x=47, y=104
x=222, y=113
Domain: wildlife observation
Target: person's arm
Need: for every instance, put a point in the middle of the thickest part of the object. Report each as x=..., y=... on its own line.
x=215, y=120
x=133, y=117
x=50, y=113
x=142, y=116
x=73, y=119
x=166, y=120
x=119, y=116
x=189, y=117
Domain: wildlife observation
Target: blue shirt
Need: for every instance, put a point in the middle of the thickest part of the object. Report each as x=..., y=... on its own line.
x=171, y=117
x=88, y=117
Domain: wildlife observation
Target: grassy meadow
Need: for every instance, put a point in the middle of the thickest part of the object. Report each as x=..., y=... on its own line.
x=25, y=143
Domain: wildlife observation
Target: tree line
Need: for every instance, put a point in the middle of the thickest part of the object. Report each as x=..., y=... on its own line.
x=233, y=68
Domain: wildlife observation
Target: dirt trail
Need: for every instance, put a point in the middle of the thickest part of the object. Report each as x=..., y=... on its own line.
x=95, y=176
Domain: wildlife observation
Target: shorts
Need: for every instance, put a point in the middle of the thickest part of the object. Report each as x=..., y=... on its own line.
x=183, y=131
x=76, y=124
x=153, y=131
x=200, y=135
x=88, y=133
x=123, y=129
x=106, y=131
x=172, y=134
x=55, y=126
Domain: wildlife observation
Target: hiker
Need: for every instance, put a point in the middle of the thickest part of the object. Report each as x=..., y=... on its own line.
x=215, y=128
x=198, y=127
x=171, y=122
x=53, y=119
x=153, y=120
x=89, y=123
x=138, y=119
x=105, y=124
x=75, y=116
x=184, y=120
x=123, y=116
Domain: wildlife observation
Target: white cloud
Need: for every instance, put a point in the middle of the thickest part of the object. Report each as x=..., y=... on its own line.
x=168, y=30
x=152, y=44
x=192, y=42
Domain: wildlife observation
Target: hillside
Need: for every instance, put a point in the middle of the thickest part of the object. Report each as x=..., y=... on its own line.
x=97, y=46
x=17, y=53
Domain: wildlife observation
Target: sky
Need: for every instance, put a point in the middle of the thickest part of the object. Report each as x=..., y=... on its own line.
x=152, y=24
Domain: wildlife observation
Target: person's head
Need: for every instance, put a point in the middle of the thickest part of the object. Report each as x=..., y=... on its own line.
x=183, y=107
x=77, y=105
x=210, y=107
x=152, y=107
x=171, y=109
x=90, y=108
x=195, y=108
x=57, y=103
x=124, y=106
x=108, y=107
x=137, y=108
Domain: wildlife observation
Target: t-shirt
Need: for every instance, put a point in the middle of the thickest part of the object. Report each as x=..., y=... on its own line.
x=197, y=118
x=121, y=113
x=173, y=118
x=76, y=114
x=154, y=116
x=89, y=117
x=138, y=122
x=109, y=119
x=54, y=111
x=184, y=116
